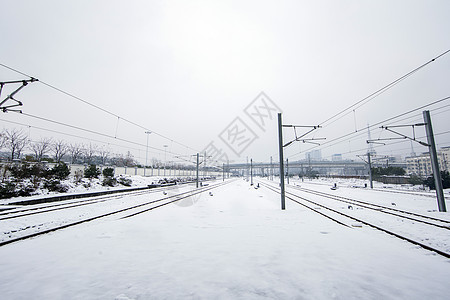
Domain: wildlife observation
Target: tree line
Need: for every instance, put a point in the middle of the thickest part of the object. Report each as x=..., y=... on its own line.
x=19, y=146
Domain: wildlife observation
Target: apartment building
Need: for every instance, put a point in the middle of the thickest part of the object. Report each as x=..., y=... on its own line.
x=420, y=165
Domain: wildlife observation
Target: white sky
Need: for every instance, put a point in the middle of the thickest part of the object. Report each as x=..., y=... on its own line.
x=186, y=69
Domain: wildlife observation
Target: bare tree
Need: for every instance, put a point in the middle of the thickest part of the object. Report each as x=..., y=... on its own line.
x=75, y=150
x=60, y=149
x=104, y=153
x=156, y=163
x=129, y=160
x=16, y=140
x=40, y=148
x=89, y=152
x=2, y=139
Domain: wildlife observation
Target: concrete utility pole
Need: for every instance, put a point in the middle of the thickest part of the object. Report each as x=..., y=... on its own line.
x=370, y=170
x=280, y=150
x=434, y=161
x=196, y=181
x=251, y=171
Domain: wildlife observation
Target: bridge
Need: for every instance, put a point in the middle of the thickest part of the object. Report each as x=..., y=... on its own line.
x=343, y=168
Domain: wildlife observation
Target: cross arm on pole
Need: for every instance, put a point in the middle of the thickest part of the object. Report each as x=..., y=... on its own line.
x=7, y=108
x=300, y=138
x=402, y=136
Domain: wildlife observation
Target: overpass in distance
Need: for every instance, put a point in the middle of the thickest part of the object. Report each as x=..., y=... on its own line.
x=343, y=168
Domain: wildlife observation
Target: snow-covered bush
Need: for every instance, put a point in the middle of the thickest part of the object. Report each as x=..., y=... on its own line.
x=60, y=171
x=108, y=172
x=124, y=181
x=25, y=188
x=25, y=170
x=109, y=181
x=54, y=185
x=91, y=172
x=7, y=190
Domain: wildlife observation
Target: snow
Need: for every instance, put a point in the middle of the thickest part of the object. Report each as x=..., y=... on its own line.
x=235, y=244
x=90, y=185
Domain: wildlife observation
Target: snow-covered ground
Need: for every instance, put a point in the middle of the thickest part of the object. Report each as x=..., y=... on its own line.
x=235, y=244
x=90, y=185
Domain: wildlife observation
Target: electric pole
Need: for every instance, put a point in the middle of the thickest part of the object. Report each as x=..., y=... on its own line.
x=434, y=161
x=281, y=146
x=370, y=170
x=251, y=171
x=280, y=150
x=197, y=171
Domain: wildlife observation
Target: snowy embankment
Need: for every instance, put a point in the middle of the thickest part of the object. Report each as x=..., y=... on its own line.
x=235, y=244
x=88, y=186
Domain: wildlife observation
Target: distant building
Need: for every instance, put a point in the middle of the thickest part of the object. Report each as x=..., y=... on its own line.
x=336, y=157
x=314, y=155
x=420, y=165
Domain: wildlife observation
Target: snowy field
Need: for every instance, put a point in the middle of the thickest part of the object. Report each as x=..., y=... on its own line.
x=233, y=244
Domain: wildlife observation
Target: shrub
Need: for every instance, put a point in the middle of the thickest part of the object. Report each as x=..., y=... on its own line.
x=124, y=181
x=379, y=171
x=25, y=189
x=91, y=172
x=7, y=190
x=25, y=170
x=109, y=181
x=108, y=172
x=445, y=176
x=415, y=180
x=54, y=185
x=20, y=171
x=39, y=170
x=60, y=171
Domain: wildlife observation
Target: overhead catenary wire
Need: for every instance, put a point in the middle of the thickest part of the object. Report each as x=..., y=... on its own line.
x=73, y=135
x=97, y=107
x=378, y=92
x=80, y=137
x=96, y=133
x=343, y=137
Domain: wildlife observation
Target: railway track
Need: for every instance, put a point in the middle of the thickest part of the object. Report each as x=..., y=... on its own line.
x=54, y=206
x=445, y=224
x=384, y=190
x=338, y=215
x=37, y=228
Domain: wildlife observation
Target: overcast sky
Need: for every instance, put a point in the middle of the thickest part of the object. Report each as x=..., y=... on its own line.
x=188, y=70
